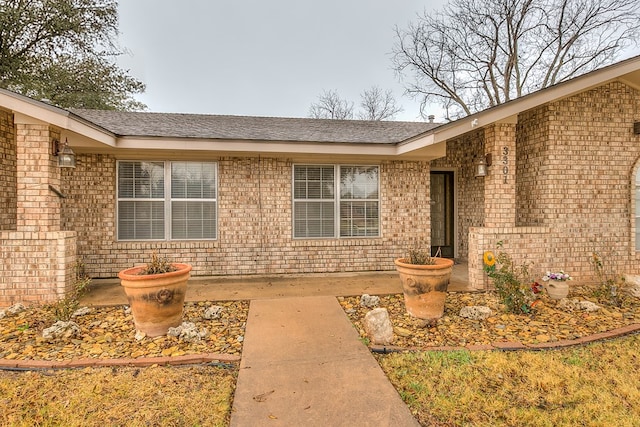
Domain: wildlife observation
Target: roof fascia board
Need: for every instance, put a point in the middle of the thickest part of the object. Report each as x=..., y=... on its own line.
x=30, y=111
x=541, y=97
x=415, y=144
x=254, y=147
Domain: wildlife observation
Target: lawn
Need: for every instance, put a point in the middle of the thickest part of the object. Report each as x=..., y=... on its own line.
x=595, y=385
x=154, y=396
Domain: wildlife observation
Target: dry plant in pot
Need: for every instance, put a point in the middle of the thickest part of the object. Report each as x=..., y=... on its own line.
x=156, y=294
x=425, y=279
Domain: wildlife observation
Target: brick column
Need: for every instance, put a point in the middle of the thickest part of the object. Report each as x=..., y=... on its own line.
x=38, y=208
x=500, y=182
x=499, y=199
x=38, y=258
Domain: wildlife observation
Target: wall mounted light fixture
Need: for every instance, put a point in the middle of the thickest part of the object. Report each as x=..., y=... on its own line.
x=483, y=164
x=66, y=156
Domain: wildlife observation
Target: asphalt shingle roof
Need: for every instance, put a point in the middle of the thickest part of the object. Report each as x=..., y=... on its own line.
x=201, y=126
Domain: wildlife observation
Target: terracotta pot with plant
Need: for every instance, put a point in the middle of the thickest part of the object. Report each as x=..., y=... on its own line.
x=425, y=280
x=156, y=294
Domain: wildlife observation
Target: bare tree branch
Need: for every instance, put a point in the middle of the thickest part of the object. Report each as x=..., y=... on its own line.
x=331, y=106
x=378, y=105
x=478, y=53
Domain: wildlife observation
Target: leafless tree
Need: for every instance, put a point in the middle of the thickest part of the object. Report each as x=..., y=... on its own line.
x=378, y=105
x=476, y=54
x=331, y=106
x=375, y=105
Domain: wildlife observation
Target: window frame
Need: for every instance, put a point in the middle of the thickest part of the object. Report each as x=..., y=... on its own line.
x=337, y=200
x=167, y=201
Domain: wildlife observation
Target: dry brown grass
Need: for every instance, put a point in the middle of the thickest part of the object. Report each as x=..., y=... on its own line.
x=596, y=385
x=155, y=396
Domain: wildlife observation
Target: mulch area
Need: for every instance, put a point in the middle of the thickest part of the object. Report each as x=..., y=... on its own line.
x=109, y=333
x=548, y=322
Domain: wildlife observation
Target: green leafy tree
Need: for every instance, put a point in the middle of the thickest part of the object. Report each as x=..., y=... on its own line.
x=64, y=51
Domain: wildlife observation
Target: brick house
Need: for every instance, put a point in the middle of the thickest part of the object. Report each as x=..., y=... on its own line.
x=254, y=195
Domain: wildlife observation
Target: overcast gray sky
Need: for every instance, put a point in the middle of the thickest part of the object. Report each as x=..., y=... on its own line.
x=262, y=57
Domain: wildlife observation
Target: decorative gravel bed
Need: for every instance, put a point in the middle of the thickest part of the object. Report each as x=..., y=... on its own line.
x=548, y=322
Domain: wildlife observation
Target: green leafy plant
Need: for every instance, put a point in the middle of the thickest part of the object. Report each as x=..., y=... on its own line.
x=513, y=285
x=158, y=265
x=64, y=308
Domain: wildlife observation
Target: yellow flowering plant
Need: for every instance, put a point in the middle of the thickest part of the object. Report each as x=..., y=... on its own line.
x=513, y=285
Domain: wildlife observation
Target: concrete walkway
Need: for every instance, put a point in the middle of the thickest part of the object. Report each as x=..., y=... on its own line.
x=303, y=365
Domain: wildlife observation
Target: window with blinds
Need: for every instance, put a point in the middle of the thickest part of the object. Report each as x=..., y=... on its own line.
x=335, y=201
x=167, y=200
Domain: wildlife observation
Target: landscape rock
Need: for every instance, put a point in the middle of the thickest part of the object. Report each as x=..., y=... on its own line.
x=82, y=311
x=475, y=312
x=2, y=314
x=16, y=308
x=377, y=325
x=213, y=312
x=403, y=332
x=369, y=301
x=187, y=332
x=61, y=330
x=633, y=285
x=577, y=305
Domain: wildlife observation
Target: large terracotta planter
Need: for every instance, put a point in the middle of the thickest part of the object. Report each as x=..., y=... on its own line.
x=156, y=300
x=425, y=287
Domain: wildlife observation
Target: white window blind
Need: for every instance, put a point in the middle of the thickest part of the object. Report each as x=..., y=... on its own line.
x=323, y=204
x=193, y=200
x=160, y=199
x=141, y=200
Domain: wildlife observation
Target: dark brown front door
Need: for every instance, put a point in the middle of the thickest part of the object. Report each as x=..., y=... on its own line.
x=442, y=220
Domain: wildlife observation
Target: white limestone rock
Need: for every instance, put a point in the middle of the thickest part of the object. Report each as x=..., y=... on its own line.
x=632, y=285
x=213, y=312
x=82, y=311
x=377, y=325
x=16, y=308
x=61, y=330
x=577, y=305
x=475, y=312
x=369, y=301
x=187, y=332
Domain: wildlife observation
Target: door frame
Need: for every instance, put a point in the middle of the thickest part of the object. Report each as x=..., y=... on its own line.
x=455, y=205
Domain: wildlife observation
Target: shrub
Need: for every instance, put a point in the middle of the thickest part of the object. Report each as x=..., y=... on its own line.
x=512, y=282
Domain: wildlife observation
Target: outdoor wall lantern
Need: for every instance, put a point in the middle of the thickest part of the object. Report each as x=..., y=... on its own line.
x=66, y=156
x=482, y=165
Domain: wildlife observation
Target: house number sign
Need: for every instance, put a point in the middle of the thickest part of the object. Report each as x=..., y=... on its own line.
x=505, y=163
